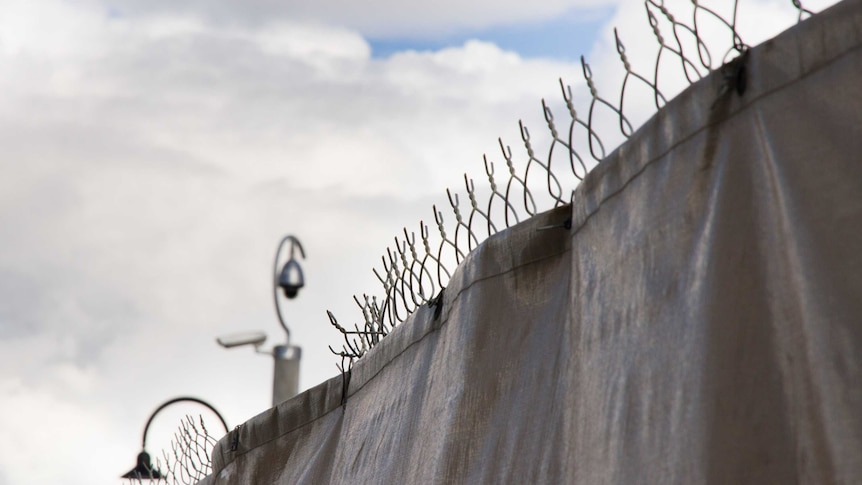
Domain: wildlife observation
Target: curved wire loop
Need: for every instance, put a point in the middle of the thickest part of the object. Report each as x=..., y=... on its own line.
x=803, y=12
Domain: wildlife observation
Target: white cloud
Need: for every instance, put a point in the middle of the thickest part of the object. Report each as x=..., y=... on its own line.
x=46, y=437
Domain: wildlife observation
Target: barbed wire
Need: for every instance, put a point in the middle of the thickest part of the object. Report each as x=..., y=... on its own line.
x=415, y=274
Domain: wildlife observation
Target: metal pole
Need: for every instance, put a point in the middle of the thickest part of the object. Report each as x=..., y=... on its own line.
x=285, y=378
x=285, y=373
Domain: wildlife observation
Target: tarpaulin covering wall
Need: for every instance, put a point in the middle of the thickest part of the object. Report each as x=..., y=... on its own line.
x=700, y=322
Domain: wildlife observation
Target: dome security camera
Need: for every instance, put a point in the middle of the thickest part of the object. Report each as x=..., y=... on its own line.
x=291, y=279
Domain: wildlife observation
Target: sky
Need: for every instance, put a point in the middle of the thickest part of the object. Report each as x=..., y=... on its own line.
x=154, y=153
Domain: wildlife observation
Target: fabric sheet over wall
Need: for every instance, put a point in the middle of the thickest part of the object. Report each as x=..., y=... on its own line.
x=701, y=321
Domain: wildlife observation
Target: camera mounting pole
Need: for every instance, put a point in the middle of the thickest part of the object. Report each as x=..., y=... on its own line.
x=285, y=374
x=289, y=278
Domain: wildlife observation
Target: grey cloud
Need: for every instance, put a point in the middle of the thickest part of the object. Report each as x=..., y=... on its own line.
x=21, y=294
x=378, y=18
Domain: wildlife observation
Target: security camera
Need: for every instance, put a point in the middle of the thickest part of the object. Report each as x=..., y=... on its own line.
x=245, y=338
x=291, y=280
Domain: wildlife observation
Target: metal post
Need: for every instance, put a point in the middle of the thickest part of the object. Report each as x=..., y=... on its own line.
x=285, y=379
x=285, y=374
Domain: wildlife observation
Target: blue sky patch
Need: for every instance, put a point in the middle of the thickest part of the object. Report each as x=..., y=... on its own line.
x=565, y=37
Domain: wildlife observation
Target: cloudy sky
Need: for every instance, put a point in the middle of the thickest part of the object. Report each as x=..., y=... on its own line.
x=153, y=153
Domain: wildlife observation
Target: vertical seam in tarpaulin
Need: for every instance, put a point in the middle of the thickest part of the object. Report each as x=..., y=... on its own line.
x=809, y=397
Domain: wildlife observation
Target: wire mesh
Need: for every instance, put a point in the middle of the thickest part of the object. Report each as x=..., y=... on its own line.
x=414, y=272
x=189, y=458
